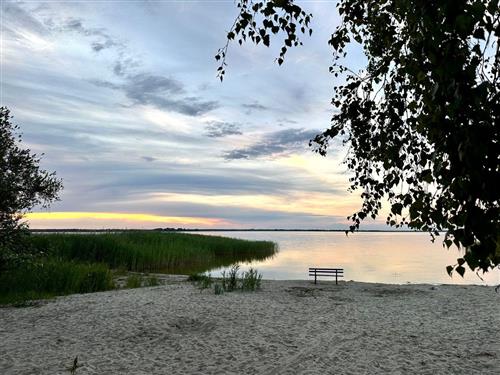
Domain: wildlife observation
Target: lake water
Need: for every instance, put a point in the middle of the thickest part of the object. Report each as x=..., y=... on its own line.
x=385, y=257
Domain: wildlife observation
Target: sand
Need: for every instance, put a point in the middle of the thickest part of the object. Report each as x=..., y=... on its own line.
x=290, y=327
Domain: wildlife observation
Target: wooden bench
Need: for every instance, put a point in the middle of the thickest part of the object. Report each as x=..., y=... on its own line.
x=316, y=272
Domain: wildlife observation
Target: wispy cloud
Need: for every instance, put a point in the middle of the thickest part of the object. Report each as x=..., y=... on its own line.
x=255, y=106
x=283, y=142
x=217, y=129
x=103, y=39
x=164, y=93
x=14, y=14
x=142, y=87
x=20, y=25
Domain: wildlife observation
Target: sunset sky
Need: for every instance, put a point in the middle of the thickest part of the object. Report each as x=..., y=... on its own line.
x=123, y=100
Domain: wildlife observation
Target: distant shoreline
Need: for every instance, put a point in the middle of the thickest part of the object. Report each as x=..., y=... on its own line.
x=76, y=230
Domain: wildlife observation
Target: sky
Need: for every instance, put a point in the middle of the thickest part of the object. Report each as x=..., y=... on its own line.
x=122, y=99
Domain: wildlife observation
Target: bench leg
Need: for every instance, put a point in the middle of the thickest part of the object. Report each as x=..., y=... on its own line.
x=336, y=282
x=314, y=276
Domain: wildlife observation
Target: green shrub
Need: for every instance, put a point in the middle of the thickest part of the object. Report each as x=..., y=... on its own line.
x=133, y=281
x=251, y=280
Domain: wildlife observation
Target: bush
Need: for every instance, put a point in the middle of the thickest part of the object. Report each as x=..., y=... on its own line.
x=133, y=281
x=251, y=280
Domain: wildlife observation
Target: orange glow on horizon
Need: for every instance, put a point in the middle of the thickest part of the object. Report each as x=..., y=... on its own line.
x=45, y=218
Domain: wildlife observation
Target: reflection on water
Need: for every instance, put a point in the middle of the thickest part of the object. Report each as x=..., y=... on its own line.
x=370, y=257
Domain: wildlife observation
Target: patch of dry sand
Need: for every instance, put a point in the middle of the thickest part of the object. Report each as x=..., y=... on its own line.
x=290, y=327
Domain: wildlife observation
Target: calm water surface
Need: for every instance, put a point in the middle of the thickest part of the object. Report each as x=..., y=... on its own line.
x=371, y=257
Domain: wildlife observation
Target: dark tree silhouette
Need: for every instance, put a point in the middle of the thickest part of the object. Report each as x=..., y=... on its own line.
x=23, y=185
x=421, y=120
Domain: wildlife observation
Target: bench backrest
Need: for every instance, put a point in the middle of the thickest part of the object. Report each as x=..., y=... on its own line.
x=326, y=270
x=316, y=271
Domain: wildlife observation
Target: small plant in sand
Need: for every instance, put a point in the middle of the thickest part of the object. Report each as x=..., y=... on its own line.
x=152, y=280
x=133, y=281
x=251, y=280
x=72, y=369
x=201, y=281
x=218, y=289
x=230, y=279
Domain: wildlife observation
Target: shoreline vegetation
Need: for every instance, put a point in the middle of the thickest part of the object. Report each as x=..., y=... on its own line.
x=73, y=263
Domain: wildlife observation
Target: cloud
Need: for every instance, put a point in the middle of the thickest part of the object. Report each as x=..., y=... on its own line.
x=283, y=142
x=142, y=87
x=145, y=88
x=20, y=24
x=104, y=38
x=161, y=92
x=254, y=106
x=287, y=120
x=106, y=84
x=191, y=106
x=124, y=64
x=148, y=158
x=217, y=129
x=99, y=46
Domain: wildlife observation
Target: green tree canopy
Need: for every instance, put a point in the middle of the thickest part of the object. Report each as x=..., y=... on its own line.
x=23, y=185
x=420, y=121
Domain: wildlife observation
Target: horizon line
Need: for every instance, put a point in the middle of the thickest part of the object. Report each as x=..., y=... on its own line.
x=222, y=230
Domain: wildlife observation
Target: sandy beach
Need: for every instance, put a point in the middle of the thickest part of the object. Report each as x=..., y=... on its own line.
x=289, y=327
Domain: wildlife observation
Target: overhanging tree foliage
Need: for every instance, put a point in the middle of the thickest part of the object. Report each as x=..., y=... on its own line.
x=421, y=121
x=23, y=185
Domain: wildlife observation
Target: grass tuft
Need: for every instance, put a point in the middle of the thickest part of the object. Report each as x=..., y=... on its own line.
x=133, y=281
x=251, y=280
x=152, y=281
x=218, y=289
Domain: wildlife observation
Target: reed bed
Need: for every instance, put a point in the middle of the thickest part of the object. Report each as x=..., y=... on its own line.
x=49, y=277
x=84, y=263
x=180, y=253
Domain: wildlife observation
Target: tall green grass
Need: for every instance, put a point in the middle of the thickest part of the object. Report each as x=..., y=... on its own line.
x=180, y=253
x=82, y=263
x=50, y=277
